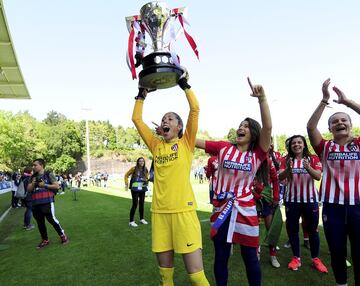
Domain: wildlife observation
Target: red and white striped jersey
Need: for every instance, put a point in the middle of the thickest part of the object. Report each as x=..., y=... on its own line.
x=237, y=169
x=341, y=171
x=301, y=188
x=236, y=172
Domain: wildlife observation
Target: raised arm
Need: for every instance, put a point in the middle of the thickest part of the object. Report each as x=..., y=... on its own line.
x=193, y=118
x=313, y=132
x=265, y=133
x=144, y=130
x=342, y=99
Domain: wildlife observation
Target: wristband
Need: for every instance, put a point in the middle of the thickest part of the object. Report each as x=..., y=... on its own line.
x=325, y=102
x=46, y=186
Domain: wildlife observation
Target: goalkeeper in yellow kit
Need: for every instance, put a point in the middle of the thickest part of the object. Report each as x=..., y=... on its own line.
x=175, y=225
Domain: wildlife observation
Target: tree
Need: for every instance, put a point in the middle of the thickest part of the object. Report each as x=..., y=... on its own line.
x=54, y=118
x=231, y=136
x=63, y=164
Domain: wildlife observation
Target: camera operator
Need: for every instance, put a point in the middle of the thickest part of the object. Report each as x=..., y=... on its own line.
x=43, y=186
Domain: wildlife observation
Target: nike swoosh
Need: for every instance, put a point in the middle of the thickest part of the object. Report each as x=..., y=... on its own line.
x=189, y=244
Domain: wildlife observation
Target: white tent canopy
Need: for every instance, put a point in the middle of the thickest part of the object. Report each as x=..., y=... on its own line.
x=12, y=84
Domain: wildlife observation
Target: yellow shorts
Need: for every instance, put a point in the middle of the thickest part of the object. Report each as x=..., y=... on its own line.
x=180, y=232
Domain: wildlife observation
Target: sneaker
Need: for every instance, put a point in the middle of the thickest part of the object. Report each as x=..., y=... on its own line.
x=42, y=244
x=143, y=221
x=294, y=264
x=64, y=239
x=30, y=227
x=307, y=244
x=318, y=265
x=133, y=224
x=287, y=244
x=274, y=262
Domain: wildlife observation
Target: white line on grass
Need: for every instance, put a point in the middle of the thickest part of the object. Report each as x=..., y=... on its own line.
x=4, y=214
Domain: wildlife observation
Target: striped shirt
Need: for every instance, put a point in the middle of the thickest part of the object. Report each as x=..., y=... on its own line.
x=341, y=171
x=301, y=188
x=236, y=172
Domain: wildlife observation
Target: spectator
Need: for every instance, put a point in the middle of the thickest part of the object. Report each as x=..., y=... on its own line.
x=43, y=186
x=138, y=186
x=26, y=177
x=16, y=178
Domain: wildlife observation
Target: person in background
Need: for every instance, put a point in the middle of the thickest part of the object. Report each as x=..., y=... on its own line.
x=301, y=169
x=339, y=190
x=16, y=179
x=138, y=186
x=43, y=186
x=26, y=177
x=211, y=174
x=266, y=193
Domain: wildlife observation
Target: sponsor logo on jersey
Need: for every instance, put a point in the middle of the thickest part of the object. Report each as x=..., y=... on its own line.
x=299, y=171
x=247, y=167
x=333, y=156
x=353, y=147
x=175, y=147
x=166, y=158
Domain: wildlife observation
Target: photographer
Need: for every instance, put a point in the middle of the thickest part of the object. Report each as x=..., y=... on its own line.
x=43, y=186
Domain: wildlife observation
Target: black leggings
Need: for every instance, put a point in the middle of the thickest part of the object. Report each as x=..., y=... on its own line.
x=137, y=197
x=40, y=212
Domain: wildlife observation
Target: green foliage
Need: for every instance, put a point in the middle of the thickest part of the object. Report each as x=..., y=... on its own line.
x=54, y=118
x=231, y=136
x=63, y=164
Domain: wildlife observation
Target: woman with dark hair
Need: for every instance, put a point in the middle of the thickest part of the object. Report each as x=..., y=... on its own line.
x=175, y=225
x=301, y=169
x=234, y=219
x=340, y=185
x=138, y=186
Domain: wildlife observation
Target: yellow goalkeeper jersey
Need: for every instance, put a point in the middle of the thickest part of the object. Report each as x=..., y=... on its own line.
x=172, y=161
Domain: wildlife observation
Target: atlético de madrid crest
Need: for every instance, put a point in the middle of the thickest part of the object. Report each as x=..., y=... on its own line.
x=175, y=147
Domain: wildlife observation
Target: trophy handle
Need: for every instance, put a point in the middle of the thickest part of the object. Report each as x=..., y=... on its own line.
x=176, y=11
x=130, y=19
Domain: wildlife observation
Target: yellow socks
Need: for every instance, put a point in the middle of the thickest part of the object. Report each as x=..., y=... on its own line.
x=166, y=276
x=199, y=279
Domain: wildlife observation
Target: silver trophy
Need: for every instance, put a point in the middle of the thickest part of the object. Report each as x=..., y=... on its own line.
x=160, y=68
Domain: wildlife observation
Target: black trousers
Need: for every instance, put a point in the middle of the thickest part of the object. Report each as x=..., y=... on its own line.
x=137, y=198
x=40, y=212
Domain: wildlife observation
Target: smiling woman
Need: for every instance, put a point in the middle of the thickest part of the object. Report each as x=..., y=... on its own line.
x=301, y=169
x=235, y=217
x=339, y=192
x=175, y=225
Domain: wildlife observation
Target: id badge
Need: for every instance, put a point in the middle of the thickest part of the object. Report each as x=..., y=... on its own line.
x=140, y=186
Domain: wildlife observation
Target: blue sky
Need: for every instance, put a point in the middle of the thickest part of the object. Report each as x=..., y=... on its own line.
x=72, y=56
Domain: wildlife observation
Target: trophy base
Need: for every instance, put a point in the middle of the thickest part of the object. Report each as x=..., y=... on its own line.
x=159, y=72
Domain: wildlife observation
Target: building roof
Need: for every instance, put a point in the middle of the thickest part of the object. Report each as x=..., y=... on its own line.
x=12, y=84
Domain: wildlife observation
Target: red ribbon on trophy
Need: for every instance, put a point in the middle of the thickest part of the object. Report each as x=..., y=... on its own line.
x=187, y=35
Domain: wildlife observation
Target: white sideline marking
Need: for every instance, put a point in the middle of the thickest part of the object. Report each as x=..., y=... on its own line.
x=4, y=214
